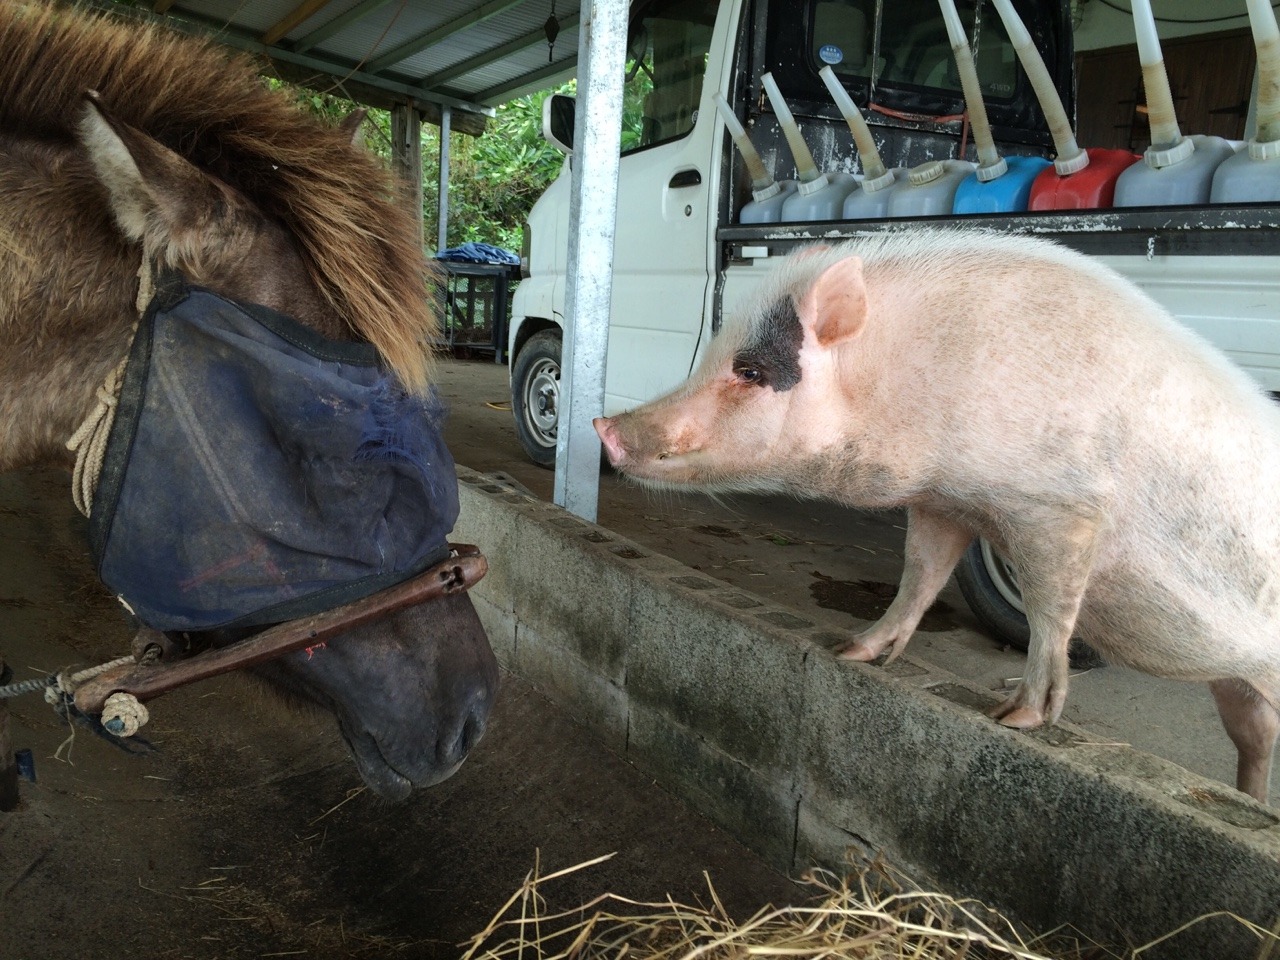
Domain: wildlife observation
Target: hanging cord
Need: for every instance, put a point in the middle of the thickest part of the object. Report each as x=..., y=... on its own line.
x=89, y=442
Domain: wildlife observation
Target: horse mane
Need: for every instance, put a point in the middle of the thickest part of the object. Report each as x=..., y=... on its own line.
x=346, y=209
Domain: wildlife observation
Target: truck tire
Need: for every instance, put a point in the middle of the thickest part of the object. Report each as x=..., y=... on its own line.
x=535, y=396
x=990, y=585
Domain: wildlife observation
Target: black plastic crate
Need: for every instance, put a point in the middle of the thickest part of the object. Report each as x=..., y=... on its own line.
x=477, y=305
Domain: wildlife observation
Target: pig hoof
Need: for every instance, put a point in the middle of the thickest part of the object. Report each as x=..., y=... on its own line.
x=1020, y=718
x=858, y=651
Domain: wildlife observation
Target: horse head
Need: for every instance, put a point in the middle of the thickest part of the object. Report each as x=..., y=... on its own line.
x=411, y=693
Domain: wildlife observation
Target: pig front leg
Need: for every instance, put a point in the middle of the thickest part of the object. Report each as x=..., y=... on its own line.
x=1054, y=564
x=934, y=546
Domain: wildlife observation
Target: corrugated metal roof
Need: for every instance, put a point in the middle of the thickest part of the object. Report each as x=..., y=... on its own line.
x=467, y=54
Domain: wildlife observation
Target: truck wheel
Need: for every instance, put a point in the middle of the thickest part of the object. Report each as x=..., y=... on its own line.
x=535, y=396
x=990, y=585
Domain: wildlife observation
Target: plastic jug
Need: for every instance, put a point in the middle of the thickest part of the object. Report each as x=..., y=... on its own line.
x=1176, y=170
x=998, y=185
x=1078, y=179
x=767, y=195
x=1253, y=174
x=871, y=200
x=930, y=189
x=818, y=196
x=1008, y=193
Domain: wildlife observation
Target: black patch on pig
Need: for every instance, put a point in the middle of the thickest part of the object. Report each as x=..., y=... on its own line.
x=773, y=352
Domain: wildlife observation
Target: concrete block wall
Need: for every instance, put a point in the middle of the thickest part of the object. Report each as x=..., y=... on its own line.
x=737, y=705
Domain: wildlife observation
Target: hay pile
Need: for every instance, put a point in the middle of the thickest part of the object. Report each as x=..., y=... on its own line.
x=871, y=915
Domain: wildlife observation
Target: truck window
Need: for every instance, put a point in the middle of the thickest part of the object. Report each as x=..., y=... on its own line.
x=912, y=50
x=894, y=59
x=667, y=46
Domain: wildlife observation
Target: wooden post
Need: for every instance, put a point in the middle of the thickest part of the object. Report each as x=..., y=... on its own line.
x=406, y=154
x=8, y=765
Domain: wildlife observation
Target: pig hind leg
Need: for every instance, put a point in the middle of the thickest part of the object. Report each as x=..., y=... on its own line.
x=1252, y=723
x=1054, y=562
x=933, y=548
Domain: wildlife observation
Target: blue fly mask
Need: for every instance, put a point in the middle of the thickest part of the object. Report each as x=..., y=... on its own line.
x=258, y=472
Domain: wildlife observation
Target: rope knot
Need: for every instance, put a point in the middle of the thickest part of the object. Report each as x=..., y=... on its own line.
x=123, y=714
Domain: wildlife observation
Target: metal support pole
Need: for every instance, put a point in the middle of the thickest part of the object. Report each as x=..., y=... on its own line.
x=442, y=221
x=406, y=153
x=602, y=39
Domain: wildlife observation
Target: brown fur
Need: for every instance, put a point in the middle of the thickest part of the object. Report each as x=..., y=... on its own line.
x=357, y=236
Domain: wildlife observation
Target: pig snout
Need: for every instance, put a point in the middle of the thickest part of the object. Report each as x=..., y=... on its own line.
x=648, y=446
x=607, y=428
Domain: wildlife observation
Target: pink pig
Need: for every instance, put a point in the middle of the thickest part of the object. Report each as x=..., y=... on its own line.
x=1009, y=388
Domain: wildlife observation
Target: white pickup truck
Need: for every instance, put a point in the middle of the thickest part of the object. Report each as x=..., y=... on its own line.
x=682, y=257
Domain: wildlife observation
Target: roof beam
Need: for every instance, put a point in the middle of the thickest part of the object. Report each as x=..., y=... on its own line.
x=345, y=75
x=338, y=24
x=493, y=56
x=512, y=88
x=424, y=40
x=302, y=12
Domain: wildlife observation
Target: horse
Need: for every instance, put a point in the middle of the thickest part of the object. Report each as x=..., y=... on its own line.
x=125, y=144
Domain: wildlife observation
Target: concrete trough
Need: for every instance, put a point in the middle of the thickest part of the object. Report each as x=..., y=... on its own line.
x=737, y=705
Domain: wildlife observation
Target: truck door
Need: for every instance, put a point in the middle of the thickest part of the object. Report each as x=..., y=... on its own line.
x=667, y=178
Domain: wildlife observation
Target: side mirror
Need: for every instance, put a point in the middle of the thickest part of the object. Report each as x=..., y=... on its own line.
x=558, y=112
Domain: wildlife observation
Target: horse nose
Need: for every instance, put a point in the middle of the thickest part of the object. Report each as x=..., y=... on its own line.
x=466, y=733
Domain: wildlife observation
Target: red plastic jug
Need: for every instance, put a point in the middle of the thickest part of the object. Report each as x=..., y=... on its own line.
x=1091, y=188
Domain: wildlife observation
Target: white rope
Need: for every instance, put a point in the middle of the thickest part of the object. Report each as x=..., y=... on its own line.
x=65, y=684
x=89, y=442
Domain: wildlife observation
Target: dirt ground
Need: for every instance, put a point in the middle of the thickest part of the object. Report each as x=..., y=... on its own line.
x=246, y=832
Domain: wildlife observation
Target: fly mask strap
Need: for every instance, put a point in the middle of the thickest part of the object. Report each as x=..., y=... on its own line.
x=89, y=442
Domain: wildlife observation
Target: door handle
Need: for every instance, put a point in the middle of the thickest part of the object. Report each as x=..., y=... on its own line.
x=685, y=178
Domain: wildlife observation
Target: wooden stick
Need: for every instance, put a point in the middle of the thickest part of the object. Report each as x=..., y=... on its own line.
x=455, y=575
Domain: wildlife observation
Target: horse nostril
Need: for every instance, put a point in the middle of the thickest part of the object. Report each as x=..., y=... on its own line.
x=466, y=735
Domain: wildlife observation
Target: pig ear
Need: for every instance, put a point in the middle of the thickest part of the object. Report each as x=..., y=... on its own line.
x=835, y=307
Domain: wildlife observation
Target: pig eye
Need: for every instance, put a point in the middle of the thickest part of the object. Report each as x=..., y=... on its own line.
x=749, y=374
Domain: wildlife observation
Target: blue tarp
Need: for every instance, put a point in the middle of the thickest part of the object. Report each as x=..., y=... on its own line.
x=478, y=253
x=257, y=472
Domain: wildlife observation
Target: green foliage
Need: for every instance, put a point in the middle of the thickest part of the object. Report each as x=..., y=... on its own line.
x=494, y=179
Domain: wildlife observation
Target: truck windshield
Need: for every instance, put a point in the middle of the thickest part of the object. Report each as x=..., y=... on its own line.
x=909, y=49
x=895, y=60
x=667, y=46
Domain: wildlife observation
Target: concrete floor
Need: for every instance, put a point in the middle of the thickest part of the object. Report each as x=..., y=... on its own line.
x=840, y=566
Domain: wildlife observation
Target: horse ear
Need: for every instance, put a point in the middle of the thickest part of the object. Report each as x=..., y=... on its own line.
x=351, y=124
x=153, y=191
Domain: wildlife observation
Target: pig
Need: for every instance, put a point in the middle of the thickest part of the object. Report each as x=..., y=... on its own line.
x=1007, y=387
